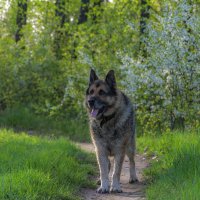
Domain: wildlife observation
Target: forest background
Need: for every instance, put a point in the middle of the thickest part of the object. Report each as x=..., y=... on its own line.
x=47, y=48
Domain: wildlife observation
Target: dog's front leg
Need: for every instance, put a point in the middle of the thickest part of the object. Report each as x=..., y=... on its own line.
x=118, y=161
x=103, y=162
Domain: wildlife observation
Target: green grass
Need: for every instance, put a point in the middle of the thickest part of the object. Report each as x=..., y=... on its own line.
x=34, y=168
x=23, y=119
x=174, y=173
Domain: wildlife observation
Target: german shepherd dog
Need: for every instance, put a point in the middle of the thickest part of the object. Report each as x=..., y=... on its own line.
x=112, y=129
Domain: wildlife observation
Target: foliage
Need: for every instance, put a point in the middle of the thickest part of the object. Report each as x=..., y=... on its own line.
x=47, y=68
x=35, y=168
x=174, y=166
x=165, y=84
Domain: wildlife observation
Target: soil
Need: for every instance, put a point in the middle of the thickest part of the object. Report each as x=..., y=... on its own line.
x=134, y=191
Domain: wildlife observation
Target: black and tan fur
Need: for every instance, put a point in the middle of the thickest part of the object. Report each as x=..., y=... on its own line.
x=112, y=129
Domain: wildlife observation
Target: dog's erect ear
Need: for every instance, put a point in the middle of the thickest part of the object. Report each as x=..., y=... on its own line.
x=110, y=79
x=93, y=76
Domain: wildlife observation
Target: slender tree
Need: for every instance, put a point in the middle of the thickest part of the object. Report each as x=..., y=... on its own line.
x=144, y=16
x=21, y=18
x=83, y=11
x=60, y=33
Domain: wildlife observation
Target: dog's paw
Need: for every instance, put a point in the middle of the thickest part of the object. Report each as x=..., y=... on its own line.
x=115, y=190
x=133, y=180
x=115, y=187
x=103, y=190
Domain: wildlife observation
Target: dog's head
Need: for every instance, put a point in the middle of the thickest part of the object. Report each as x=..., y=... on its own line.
x=101, y=95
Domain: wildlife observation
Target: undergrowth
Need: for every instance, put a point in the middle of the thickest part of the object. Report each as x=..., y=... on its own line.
x=24, y=119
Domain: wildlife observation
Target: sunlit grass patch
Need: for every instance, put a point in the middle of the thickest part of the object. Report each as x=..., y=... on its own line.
x=37, y=168
x=174, y=171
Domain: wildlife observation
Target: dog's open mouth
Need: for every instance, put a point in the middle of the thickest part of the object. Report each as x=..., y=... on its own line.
x=95, y=112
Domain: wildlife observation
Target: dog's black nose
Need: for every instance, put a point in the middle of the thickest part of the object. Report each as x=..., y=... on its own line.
x=91, y=102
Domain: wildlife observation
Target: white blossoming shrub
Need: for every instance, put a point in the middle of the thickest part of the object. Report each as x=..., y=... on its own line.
x=166, y=84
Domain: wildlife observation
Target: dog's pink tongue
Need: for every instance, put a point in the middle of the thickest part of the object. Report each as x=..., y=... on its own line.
x=94, y=112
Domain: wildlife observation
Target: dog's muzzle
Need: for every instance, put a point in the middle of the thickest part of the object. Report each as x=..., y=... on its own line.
x=97, y=107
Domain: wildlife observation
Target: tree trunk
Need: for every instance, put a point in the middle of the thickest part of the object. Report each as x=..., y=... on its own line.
x=83, y=11
x=144, y=16
x=21, y=18
x=60, y=34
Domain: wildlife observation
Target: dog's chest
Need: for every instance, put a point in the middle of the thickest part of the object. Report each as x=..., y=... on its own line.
x=109, y=134
x=106, y=133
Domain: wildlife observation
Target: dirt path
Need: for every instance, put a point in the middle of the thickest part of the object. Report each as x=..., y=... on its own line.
x=130, y=191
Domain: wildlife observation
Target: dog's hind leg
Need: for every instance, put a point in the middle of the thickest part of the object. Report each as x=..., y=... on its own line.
x=118, y=161
x=131, y=154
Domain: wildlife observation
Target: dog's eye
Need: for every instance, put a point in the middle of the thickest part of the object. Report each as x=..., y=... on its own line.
x=101, y=92
x=91, y=91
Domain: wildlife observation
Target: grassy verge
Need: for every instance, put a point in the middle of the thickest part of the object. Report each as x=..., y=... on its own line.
x=23, y=119
x=34, y=168
x=174, y=170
